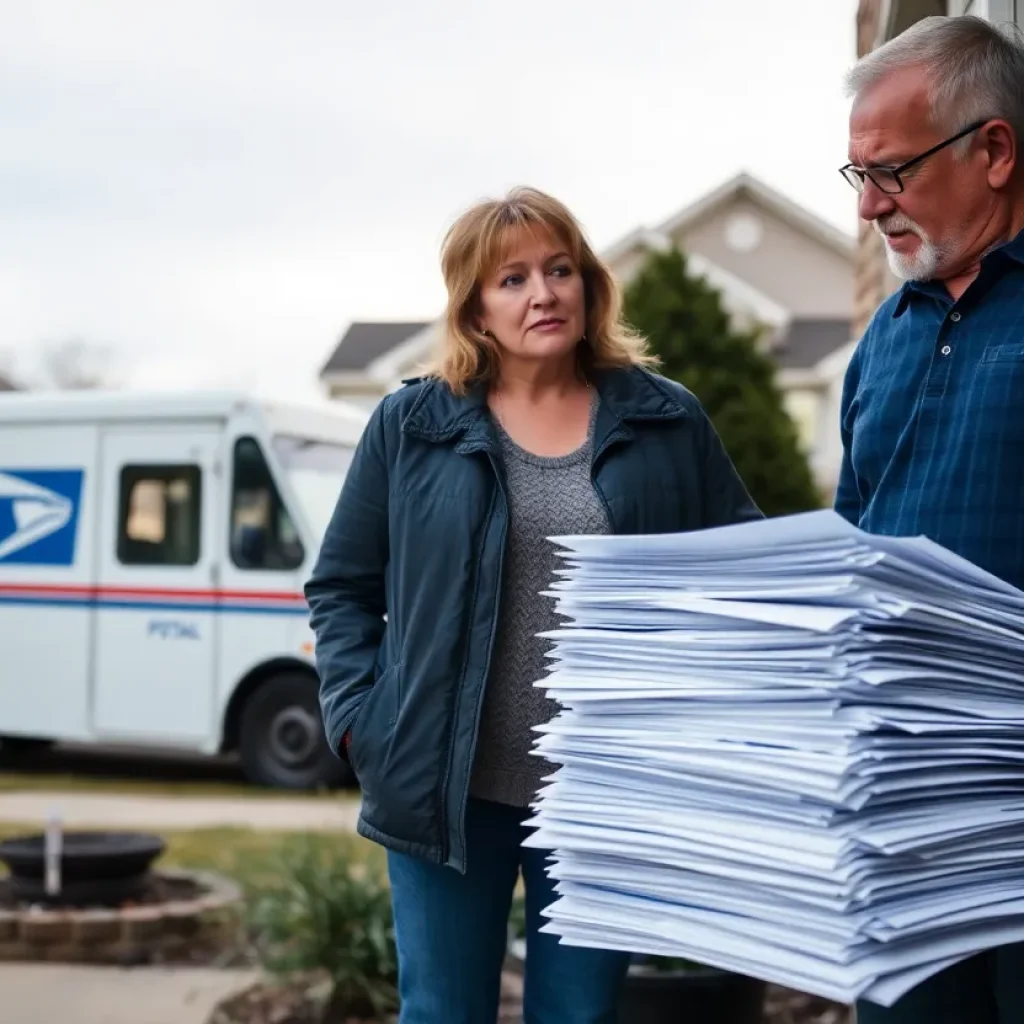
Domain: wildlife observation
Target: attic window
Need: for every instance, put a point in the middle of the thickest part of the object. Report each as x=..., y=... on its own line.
x=743, y=232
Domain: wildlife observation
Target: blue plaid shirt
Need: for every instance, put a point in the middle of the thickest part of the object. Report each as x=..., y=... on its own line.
x=933, y=417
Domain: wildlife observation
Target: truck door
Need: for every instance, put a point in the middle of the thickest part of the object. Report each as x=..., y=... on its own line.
x=156, y=611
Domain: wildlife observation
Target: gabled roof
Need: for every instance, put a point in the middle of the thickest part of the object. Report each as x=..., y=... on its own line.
x=366, y=341
x=733, y=289
x=803, y=344
x=743, y=185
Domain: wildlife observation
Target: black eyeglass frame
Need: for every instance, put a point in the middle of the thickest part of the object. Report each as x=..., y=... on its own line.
x=857, y=175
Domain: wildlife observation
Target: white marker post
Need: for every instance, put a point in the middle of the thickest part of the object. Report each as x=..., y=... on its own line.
x=52, y=853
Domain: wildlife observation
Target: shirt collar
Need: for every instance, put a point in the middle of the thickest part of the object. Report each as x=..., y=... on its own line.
x=1013, y=249
x=934, y=288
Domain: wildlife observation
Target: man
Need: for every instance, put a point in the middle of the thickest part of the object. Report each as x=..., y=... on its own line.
x=933, y=402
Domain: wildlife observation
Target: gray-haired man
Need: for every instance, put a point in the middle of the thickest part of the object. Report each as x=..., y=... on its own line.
x=933, y=403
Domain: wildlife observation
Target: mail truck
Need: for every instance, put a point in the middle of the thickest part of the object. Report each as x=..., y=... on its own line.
x=153, y=549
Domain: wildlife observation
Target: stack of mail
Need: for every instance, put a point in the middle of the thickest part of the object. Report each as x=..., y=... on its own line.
x=787, y=749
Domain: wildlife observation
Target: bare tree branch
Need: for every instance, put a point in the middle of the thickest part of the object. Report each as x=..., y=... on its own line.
x=78, y=365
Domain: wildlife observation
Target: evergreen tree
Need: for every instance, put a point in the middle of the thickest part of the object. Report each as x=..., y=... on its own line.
x=691, y=333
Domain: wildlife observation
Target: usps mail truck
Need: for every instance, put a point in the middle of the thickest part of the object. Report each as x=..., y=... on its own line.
x=153, y=550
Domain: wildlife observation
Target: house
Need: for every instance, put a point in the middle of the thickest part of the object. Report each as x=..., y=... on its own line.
x=878, y=21
x=775, y=264
x=372, y=357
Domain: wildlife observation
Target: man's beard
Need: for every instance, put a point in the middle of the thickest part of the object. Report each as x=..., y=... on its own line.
x=922, y=265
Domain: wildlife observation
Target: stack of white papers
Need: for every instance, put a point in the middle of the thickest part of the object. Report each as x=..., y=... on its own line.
x=789, y=749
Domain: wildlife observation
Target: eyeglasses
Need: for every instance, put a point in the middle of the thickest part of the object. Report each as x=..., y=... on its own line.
x=889, y=179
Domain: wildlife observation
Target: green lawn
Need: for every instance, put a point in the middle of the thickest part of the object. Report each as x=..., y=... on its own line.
x=250, y=857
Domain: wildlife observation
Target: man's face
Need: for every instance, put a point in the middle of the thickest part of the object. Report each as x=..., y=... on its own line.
x=927, y=226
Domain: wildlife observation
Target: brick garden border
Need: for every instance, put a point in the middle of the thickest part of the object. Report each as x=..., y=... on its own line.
x=210, y=921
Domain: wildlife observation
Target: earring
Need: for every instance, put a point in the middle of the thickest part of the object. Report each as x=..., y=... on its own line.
x=486, y=333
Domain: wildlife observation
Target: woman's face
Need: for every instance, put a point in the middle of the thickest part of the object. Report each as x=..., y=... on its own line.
x=533, y=304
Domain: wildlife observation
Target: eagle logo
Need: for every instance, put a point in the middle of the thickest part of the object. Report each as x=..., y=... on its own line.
x=38, y=514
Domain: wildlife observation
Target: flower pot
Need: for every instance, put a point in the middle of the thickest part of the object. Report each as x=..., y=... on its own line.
x=686, y=995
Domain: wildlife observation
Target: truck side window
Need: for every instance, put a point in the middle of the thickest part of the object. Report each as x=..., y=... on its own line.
x=158, y=519
x=263, y=534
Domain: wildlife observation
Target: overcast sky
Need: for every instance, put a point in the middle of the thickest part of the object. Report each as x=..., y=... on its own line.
x=215, y=188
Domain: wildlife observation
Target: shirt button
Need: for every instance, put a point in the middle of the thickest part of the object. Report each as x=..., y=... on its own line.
x=946, y=350
x=955, y=317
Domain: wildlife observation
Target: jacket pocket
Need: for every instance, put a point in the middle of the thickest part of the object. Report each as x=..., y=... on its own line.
x=371, y=730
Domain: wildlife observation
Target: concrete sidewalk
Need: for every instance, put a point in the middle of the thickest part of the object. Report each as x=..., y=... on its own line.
x=175, y=813
x=52, y=993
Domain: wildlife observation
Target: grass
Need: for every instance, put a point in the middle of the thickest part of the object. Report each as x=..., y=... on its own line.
x=251, y=857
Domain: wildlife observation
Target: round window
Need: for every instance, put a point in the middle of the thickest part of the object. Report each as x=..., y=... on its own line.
x=743, y=232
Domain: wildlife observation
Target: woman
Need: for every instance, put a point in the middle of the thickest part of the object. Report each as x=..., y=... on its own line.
x=539, y=419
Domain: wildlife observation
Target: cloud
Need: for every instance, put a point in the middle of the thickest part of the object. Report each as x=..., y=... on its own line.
x=217, y=186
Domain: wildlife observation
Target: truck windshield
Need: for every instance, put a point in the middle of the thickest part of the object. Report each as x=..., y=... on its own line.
x=315, y=471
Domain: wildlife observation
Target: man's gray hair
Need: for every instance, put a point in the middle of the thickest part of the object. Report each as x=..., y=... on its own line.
x=975, y=70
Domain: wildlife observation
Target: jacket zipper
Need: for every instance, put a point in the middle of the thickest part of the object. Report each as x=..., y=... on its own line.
x=615, y=437
x=445, y=843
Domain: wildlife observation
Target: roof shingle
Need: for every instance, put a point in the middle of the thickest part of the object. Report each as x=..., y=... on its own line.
x=805, y=343
x=365, y=341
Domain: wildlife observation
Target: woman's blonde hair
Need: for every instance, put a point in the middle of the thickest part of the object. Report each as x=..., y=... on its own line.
x=474, y=247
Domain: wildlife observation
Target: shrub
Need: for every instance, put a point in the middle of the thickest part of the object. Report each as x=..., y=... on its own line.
x=692, y=334
x=322, y=913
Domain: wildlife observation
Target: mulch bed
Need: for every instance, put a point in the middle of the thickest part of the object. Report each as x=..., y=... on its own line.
x=303, y=1000
x=300, y=1000
x=783, y=1006
x=158, y=889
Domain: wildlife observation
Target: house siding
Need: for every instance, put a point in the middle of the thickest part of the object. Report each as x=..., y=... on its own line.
x=809, y=281
x=805, y=278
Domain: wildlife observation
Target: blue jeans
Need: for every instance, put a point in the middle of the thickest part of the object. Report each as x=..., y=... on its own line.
x=451, y=932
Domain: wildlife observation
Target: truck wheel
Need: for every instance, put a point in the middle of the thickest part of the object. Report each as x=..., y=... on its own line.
x=23, y=746
x=282, y=742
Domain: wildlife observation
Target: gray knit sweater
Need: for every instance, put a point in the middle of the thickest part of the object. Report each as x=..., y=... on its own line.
x=547, y=497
